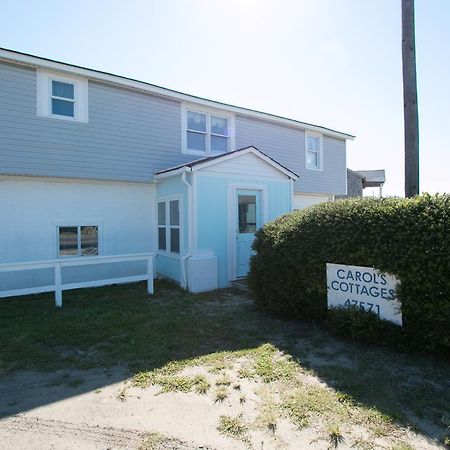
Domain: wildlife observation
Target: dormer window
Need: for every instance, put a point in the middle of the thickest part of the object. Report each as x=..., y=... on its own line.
x=206, y=132
x=62, y=96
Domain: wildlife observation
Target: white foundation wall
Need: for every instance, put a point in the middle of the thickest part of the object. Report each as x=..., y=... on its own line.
x=31, y=209
x=301, y=201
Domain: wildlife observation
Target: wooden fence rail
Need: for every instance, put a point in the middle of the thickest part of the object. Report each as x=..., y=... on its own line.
x=59, y=264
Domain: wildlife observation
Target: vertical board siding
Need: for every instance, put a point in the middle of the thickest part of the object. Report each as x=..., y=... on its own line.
x=212, y=222
x=287, y=146
x=279, y=199
x=212, y=213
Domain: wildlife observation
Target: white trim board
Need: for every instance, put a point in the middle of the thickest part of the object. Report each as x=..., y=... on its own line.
x=44, y=97
x=38, y=62
x=185, y=107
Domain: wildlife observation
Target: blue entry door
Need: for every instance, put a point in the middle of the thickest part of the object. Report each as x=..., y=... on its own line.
x=248, y=221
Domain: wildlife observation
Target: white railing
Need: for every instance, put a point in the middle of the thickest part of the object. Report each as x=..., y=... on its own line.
x=58, y=264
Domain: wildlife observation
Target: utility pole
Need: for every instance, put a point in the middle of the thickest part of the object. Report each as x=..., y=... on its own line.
x=410, y=113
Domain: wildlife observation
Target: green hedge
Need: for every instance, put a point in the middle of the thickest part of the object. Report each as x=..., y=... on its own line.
x=409, y=238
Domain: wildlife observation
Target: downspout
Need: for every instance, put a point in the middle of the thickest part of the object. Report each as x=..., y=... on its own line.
x=184, y=283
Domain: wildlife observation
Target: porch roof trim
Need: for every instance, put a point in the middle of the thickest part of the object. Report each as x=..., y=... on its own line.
x=199, y=164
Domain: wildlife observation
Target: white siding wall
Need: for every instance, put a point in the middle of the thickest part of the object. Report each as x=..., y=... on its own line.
x=301, y=201
x=31, y=209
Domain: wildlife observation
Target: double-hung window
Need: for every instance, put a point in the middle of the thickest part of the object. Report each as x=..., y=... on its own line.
x=313, y=151
x=206, y=133
x=78, y=240
x=62, y=96
x=169, y=226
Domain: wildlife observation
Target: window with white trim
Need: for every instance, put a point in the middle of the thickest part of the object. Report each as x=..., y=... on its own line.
x=313, y=147
x=62, y=96
x=169, y=226
x=78, y=240
x=206, y=132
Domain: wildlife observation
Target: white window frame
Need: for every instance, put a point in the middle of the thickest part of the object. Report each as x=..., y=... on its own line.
x=78, y=225
x=185, y=108
x=168, y=226
x=45, y=95
x=320, y=151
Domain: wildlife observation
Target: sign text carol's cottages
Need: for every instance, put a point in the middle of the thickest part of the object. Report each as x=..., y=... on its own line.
x=363, y=287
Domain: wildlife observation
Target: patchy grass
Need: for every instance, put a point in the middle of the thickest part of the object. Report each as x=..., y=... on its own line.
x=169, y=381
x=232, y=426
x=271, y=365
x=335, y=436
x=157, y=441
x=221, y=394
x=315, y=378
x=223, y=380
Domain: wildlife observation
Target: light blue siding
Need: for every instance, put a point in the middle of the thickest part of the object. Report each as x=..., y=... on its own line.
x=130, y=134
x=212, y=214
x=168, y=267
x=212, y=221
x=287, y=146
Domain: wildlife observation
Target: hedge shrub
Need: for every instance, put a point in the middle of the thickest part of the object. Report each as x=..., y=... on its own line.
x=409, y=238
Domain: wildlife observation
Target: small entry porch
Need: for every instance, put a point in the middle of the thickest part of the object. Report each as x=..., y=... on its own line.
x=213, y=208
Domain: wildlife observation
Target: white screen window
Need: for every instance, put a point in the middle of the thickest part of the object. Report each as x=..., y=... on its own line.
x=207, y=133
x=169, y=226
x=313, y=151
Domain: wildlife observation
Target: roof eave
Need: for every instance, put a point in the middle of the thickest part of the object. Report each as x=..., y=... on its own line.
x=37, y=61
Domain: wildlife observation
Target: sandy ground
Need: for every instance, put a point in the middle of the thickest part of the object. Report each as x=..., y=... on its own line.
x=101, y=410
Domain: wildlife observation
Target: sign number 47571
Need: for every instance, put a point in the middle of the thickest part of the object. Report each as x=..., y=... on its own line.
x=363, y=305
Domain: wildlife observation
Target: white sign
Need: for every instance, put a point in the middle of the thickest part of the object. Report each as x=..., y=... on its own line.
x=365, y=288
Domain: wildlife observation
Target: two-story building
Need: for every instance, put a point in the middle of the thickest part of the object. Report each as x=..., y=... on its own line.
x=93, y=163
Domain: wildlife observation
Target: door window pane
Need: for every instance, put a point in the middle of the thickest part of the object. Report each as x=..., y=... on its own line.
x=89, y=240
x=174, y=213
x=196, y=121
x=196, y=141
x=247, y=213
x=68, y=241
x=175, y=240
x=161, y=213
x=219, y=144
x=161, y=238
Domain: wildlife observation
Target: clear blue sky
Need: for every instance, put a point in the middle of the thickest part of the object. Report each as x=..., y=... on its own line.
x=335, y=63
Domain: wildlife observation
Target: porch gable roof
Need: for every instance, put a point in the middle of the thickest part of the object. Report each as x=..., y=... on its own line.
x=202, y=163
